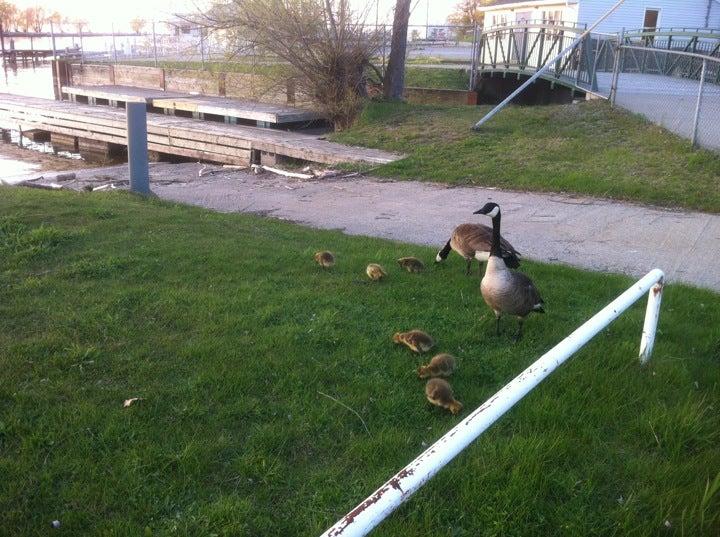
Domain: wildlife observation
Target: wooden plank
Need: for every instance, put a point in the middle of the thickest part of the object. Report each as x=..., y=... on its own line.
x=119, y=93
x=242, y=109
x=119, y=135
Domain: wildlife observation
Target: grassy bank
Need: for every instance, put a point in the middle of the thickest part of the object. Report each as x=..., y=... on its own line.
x=585, y=149
x=231, y=335
x=415, y=76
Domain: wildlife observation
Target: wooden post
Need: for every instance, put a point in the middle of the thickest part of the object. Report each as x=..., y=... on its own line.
x=2, y=44
x=221, y=85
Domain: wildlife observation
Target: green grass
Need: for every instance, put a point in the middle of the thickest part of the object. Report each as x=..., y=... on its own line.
x=226, y=328
x=426, y=77
x=585, y=149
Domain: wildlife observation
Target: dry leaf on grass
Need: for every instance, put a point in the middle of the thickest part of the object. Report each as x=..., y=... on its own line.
x=130, y=401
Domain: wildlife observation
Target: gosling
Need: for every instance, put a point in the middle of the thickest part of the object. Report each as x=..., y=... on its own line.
x=375, y=272
x=440, y=393
x=416, y=340
x=441, y=365
x=325, y=259
x=411, y=264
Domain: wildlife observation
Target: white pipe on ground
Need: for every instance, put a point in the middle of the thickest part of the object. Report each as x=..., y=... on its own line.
x=545, y=67
x=373, y=510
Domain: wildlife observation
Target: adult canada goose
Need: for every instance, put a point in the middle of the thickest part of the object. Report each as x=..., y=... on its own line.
x=504, y=290
x=473, y=241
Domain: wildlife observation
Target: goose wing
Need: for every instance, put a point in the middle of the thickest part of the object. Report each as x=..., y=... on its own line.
x=471, y=238
x=527, y=294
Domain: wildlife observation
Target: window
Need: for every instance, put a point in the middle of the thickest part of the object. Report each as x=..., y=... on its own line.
x=552, y=17
x=650, y=22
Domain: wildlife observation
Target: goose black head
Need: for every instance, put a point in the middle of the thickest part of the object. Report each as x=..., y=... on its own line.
x=491, y=209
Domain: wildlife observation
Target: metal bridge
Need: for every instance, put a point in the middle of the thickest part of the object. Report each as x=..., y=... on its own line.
x=664, y=74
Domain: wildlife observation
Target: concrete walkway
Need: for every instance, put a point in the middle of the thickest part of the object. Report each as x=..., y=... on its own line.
x=589, y=233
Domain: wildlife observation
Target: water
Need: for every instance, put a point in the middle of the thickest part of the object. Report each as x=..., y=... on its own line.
x=33, y=81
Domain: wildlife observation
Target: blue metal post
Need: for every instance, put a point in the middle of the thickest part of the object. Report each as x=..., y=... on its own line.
x=137, y=147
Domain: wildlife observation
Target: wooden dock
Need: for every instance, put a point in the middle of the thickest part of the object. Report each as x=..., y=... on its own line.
x=272, y=114
x=264, y=114
x=115, y=94
x=194, y=138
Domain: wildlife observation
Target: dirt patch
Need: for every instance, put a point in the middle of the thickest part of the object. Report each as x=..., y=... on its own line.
x=42, y=161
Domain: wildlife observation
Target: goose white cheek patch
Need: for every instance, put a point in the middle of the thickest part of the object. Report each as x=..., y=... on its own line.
x=494, y=212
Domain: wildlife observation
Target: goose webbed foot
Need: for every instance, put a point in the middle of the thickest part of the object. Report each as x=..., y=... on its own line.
x=518, y=336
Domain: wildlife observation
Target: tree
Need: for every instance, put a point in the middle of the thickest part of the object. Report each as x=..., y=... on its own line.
x=8, y=12
x=320, y=47
x=38, y=19
x=25, y=19
x=57, y=20
x=394, y=81
x=137, y=25
x=467, y=13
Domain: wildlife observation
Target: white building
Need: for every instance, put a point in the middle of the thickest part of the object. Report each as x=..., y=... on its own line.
x=632, y=15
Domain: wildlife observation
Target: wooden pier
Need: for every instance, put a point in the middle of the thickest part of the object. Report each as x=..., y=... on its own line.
x=192, y=138
x=199, y=106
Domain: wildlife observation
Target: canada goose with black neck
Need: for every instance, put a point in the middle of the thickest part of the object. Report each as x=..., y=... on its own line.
x=473, y=241
x=506, y=291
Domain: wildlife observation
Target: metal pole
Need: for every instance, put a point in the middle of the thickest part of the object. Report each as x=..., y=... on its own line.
x=652, y=314
x=154, y=44
x=137, y=147
x=82, y=47
x=52, y=35
x=112, y=29
x=402, y=485
x=699, y=103
x=202, y=49
x=615, y=75
x=2, y=44
x=545, y=67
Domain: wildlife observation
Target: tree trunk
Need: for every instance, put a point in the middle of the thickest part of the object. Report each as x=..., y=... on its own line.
x=394, y=81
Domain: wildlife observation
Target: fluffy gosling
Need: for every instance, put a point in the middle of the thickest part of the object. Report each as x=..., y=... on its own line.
x=416, y=340
x=411, y=264
x=325, y=259
x=439, y=393
x=375, y=272
x=441, y=365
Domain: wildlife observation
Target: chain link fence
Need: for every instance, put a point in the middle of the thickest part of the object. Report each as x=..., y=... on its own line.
x=678, y=90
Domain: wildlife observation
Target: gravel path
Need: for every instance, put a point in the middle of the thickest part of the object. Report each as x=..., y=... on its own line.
x=589, y=233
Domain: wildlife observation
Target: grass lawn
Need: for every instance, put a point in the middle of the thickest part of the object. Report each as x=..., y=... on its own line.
x=230, y=334
x=585, y=149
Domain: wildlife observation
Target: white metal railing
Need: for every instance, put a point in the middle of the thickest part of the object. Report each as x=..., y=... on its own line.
x=376, y=507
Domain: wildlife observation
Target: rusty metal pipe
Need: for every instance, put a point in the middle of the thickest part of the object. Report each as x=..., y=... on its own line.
x=376, y=507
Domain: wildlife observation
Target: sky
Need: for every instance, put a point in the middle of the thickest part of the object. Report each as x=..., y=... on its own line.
x=101, y=14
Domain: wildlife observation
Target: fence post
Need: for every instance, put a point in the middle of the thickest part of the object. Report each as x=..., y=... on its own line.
x=699, y=103
x=112, y=29
x=2, y=44
x=154, y=44
x=615, y=74
x=52, y=36
x=137, y=147
x=82, y=47
x=202, y=49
